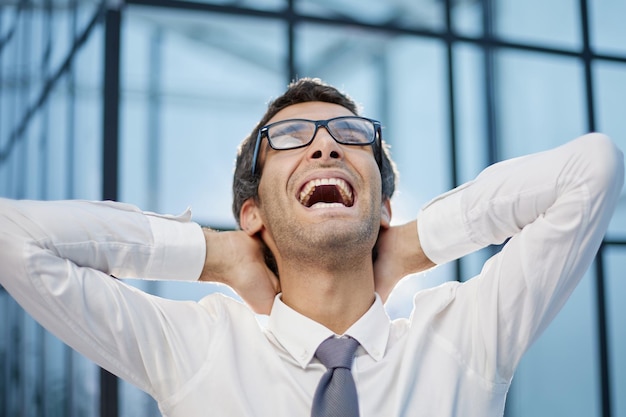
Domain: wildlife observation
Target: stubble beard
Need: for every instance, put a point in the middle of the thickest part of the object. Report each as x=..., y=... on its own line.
x=332, y=244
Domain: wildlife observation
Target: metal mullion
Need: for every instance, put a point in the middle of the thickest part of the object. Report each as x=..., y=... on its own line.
x=603, y=344
x=70, y=190
x=14, y=104
x=587, y=59
x=43, y=157
x=207, y=7
x=21, y=166
x=154, y=139
x=489, y=67
x=71, y=108
x=452, y=136
x=45, y=72
x=485, y=41
x=109, y=401
x=291, y=41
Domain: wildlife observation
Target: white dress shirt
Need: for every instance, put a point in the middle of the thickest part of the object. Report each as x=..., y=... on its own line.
x=455, y=355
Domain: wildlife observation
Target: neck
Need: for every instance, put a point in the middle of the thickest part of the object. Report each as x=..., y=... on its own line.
x=335, y=297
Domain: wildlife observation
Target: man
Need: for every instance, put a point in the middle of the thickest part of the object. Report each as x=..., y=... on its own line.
x=317, y=252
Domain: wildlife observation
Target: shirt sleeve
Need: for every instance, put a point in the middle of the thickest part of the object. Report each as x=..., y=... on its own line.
x=57, y=258
x=555, y=207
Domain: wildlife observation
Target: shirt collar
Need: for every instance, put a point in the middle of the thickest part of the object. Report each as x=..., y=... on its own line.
x=300, y=336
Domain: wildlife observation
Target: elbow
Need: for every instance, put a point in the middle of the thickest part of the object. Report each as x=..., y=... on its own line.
x=605, y=164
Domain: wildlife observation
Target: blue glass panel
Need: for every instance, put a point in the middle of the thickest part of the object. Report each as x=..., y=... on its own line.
x=539, y=103
x=558, y=376
x=471, y=116
x=539, y=106
x=191, y=92
x=610, y=83
x=467, y=18
x=472, y=142
x=608, y=32
x=414, y=15
x=552, y=23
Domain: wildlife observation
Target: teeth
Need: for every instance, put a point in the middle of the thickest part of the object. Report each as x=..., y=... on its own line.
x=327, y=205
x=309, y=188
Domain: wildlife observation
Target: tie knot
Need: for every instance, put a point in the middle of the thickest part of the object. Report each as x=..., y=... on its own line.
x=337, y=352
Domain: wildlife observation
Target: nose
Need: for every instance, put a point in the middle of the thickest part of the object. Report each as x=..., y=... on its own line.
x=324, y=147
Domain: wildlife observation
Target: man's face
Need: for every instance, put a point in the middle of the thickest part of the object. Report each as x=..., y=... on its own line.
x=325, y=195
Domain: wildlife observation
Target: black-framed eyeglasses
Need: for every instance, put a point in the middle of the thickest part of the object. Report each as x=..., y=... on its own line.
x=298, y=133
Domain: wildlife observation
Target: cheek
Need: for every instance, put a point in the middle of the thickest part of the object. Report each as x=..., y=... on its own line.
x=279, y=167
x=365, y=162
x=273, y=179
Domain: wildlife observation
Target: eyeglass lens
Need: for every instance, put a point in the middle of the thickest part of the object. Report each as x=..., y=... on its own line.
x=293, y=133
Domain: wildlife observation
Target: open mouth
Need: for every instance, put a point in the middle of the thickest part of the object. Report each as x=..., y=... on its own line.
x=326, y=192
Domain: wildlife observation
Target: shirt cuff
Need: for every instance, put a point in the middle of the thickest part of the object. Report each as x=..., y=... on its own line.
x=179, y=247
x=442, y=229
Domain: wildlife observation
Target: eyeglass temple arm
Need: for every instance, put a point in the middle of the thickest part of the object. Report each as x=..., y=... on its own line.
x=257, y=146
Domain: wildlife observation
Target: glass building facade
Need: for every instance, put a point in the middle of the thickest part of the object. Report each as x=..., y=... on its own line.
x=145, y=101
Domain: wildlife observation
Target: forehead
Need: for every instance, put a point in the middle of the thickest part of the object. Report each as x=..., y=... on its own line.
x=313, y=110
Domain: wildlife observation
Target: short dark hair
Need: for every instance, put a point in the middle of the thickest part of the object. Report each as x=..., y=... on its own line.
x=246, y=185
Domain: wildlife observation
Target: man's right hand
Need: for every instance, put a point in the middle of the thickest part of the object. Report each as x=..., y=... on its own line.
x=237, y=260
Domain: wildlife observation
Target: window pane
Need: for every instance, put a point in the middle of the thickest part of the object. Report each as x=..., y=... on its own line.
x=87, y=119
x=429, y=15
x=194, y=85
x=42, y=162
x=539, y=102
x=610, y=82
x=558, y=375
x=472, y=154
x=554, y=22
x=608, y=31
x=467, y=18
x=615, y=288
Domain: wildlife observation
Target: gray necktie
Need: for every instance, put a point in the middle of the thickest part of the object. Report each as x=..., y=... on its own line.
x=336, y=393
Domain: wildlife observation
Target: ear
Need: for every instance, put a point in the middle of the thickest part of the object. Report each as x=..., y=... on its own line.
x=385, y=214
x=250, y=217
